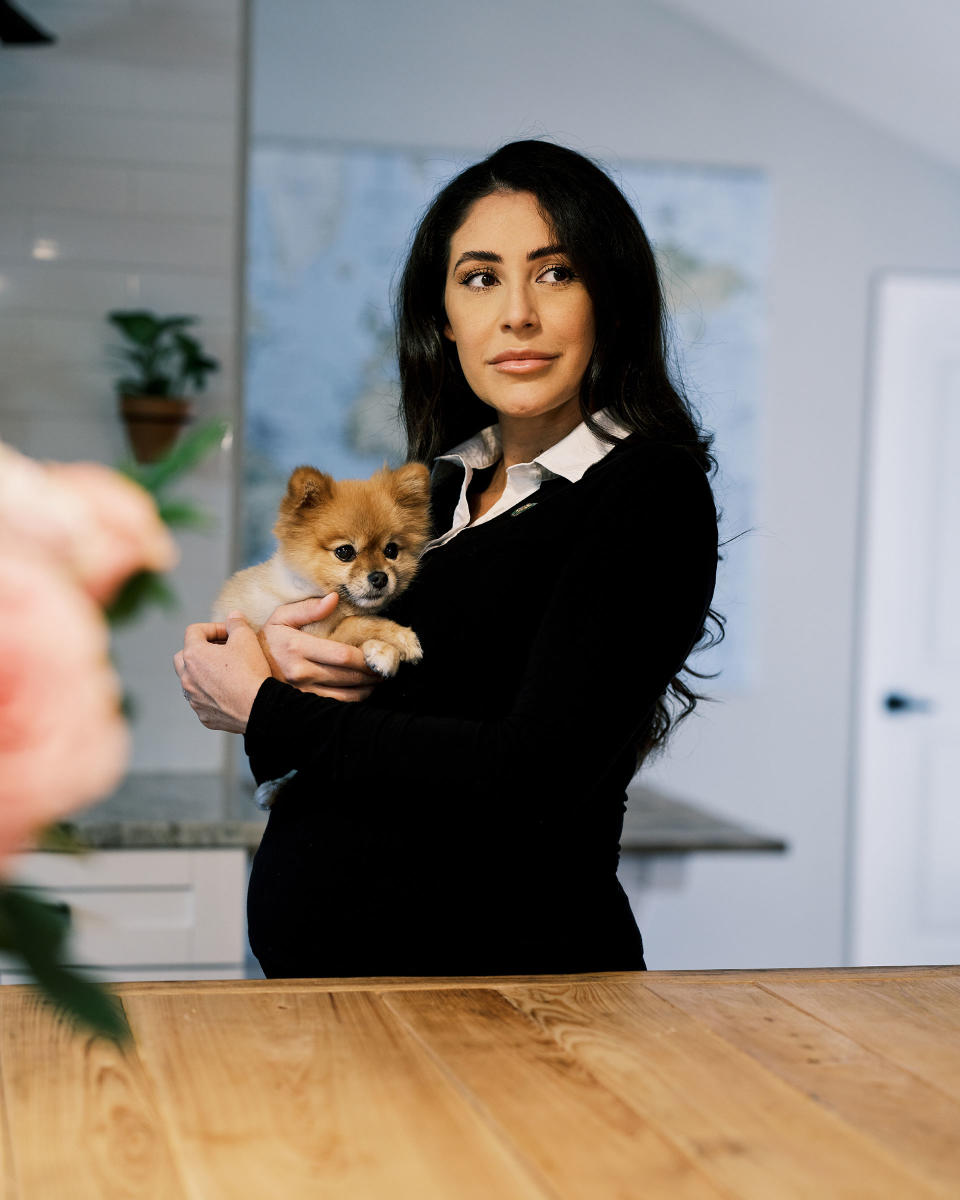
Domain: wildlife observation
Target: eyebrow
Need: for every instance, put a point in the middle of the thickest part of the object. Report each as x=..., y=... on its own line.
x=490, y=257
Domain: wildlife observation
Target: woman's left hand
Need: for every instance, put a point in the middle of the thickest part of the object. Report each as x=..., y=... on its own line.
x=221, y=668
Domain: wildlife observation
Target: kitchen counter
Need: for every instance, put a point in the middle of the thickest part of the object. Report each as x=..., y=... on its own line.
x=200, y=810
x=681, y=1085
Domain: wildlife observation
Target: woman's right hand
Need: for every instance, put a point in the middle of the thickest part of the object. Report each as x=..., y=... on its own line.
x=314, y=664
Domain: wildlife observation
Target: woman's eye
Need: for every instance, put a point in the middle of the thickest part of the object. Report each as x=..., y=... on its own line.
x=345, y=553
x=479, y=280
x=391, y=550
x=561, y=274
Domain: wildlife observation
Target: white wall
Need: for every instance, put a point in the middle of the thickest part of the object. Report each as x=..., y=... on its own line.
x=122, y=145
x=624, y=80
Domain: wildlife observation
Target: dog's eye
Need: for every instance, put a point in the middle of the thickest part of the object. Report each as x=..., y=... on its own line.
x=345, y=553
x=391, y=550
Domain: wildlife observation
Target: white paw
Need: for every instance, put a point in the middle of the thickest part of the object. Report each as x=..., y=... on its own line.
x=380, y=657
x=407, y=642
x=266, y=794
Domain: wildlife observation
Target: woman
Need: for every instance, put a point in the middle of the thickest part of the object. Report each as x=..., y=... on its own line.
x=465, y=818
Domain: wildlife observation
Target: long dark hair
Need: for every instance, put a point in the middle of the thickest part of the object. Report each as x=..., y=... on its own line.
x=628, y=372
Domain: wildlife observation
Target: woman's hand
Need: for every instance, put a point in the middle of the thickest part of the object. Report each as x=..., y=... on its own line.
x=314, y=664
x=221, y=668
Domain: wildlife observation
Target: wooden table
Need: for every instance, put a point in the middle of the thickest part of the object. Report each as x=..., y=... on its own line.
x=759, y=1084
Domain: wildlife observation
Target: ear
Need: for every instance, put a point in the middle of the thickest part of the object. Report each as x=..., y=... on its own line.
x=448, y=332
x=308, y=488
x=410, y=485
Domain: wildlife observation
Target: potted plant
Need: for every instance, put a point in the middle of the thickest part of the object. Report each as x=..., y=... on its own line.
x=166, y=362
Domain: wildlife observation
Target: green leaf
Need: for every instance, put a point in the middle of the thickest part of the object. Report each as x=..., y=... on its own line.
x=35, y=929
x=84, y=1002
x=170, y=324
x=61, y=838
x=182, y=514
x=30, y=925
x=140, y=590
x=139, y=325
x=188, y=452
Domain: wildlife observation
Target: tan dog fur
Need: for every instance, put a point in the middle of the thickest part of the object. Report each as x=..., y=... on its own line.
x=319, y=516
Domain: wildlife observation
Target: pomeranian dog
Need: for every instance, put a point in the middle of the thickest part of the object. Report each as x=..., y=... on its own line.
x=360, y=538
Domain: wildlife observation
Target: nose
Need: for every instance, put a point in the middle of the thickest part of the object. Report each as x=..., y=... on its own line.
x=519, y=307
x=377, y=579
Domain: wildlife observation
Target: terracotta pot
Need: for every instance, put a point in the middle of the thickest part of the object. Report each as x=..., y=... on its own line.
x=153, y=423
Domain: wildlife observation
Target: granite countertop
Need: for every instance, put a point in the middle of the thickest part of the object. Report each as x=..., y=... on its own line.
x=174, y=810
x=657, y=823
x=180, y=810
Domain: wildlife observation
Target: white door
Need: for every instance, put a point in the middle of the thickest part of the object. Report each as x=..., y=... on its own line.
x=906, y=835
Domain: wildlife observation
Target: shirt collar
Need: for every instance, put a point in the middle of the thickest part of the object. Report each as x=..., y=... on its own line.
x=570, y=457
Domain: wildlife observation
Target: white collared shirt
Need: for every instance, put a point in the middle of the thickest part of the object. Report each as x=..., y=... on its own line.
x=569, y=458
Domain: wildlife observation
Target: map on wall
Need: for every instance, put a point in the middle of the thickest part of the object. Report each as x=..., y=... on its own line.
x=327, y=231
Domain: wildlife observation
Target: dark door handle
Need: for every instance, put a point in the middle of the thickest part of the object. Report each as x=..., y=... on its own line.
x=896, y=702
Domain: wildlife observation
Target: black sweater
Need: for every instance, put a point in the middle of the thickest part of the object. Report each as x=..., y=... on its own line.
x=466, y=819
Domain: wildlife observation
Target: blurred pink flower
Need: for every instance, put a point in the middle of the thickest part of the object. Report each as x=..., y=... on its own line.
x=99, y=525
x=63, y=742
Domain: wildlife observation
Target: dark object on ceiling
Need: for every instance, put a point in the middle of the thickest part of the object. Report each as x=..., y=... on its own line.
x=16, y=29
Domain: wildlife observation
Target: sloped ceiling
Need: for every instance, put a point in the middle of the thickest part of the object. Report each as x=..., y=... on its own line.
x=895, y=63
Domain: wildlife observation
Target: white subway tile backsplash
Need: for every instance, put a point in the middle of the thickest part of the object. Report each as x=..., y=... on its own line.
x=73, y=135
x=226, y=8
x=211, y=93
x=16, y=339
x=56, y=288
x=16, y=236
x=72, y=341
x=50, y=77
x=136, y=241
x=52, y=390
x=17, y=131
x=38, y=339
x=208, y=296
x=119, y=151
x=187, y=193
x=176, y=35
x=70, y=437
x=36, y=185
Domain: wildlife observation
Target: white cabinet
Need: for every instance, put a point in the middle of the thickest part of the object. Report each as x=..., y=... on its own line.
x=146, y=914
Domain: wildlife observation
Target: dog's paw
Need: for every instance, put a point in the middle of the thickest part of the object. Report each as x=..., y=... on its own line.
x=407, y=642
x=266, y=794
x=381, y=657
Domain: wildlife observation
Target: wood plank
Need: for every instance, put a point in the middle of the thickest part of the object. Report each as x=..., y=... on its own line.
x=910, y=1119
x=912, y=1022
x=581, y=1136
x=314, y=1094
x=8, y=1183
x=747, y=1129
x=81, y=1112
x=434, y=983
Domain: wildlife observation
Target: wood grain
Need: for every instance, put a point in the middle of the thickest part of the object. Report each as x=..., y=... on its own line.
x=433, y=983
x=761, y=1085
x=743, y=1127
x=314, y=1094
x=914, y=1022
x=907, y=1117
x=80, y=1113
x=581, y=1136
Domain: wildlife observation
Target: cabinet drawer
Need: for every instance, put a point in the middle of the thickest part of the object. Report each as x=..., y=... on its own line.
x=146, y=908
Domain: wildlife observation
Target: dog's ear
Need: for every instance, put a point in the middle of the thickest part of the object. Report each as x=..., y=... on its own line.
x=307, y=488
x=410, y=485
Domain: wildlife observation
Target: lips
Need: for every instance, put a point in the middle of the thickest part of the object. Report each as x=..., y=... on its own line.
x=522, y=356
x=522, y=362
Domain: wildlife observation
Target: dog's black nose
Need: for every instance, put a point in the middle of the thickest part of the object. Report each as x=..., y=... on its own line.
x=378, y=579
